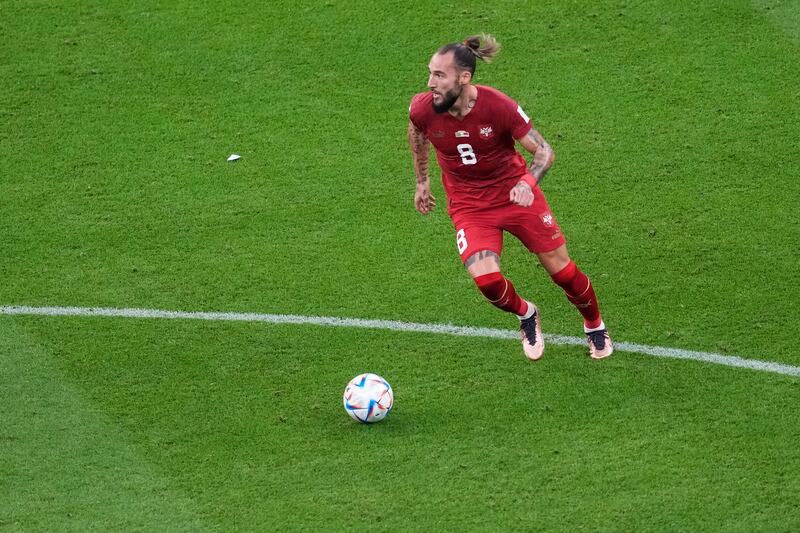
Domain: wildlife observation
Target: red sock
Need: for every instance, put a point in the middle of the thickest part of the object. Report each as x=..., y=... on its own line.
x=580, y=292
x=501, y=293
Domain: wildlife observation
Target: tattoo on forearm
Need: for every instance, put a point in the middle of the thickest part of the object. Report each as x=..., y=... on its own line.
x=543, y=158
x=420, y=147
x=421, y=168
x=483, y=254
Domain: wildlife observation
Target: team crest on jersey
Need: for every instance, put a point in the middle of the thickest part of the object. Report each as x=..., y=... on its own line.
x=462, y=133
x=547, y=220
x=486, y=132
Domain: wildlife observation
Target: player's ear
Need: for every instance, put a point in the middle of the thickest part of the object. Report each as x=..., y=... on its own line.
x=465, y=77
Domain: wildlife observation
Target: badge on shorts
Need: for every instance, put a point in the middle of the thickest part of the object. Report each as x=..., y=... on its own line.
x=547, y=220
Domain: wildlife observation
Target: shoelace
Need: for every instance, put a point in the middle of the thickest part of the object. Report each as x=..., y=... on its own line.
x=598, y=338
x=529, y=328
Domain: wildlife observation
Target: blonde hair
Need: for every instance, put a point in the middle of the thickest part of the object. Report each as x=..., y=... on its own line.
x=487, y=50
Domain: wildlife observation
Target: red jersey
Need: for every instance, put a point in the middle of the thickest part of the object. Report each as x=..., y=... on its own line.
x=479, y=161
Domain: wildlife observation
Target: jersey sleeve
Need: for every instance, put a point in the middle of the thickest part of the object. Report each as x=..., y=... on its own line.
x=518, y=122
x=415, y=114
x=514, y=118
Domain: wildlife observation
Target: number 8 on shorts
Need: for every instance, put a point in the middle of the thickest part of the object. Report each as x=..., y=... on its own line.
x=461, y=241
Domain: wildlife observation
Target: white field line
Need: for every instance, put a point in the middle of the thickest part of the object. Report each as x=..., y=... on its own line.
x=394, y=325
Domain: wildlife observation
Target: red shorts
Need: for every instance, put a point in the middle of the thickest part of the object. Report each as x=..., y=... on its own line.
x=535, y=226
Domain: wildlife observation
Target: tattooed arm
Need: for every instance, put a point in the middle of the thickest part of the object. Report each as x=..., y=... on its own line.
x=420, y=148
x=543, y=157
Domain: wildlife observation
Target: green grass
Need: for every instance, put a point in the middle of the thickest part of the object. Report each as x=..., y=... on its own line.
x=66, y=465
x=675, y=127
x=245, y=422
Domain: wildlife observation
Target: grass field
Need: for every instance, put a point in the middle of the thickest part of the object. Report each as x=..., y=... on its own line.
x=676, y=129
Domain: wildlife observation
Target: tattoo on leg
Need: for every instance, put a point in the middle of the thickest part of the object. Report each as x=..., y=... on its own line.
x=477, y=256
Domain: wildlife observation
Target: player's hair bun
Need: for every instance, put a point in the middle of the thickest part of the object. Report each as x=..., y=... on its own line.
x=474, y=47
x=484, y=46
x=473, y=42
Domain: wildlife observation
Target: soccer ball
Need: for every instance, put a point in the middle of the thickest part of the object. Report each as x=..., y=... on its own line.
x=368, y=398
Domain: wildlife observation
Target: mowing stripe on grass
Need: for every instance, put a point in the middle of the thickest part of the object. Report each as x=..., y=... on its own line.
x=395, y=325
x=66, y=465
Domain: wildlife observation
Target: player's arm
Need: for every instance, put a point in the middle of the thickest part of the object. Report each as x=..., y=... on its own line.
x=420, y=150
x=543, y=157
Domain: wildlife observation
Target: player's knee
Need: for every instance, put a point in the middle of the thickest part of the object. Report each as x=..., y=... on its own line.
x=482, y=262
x=555, y=260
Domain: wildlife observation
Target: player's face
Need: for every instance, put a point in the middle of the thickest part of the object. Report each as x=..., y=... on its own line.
x=444, y=82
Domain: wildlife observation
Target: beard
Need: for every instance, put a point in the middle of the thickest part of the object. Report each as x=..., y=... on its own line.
x=448, y=99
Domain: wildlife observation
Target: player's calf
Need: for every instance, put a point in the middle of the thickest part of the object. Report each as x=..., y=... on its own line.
x=501, y=293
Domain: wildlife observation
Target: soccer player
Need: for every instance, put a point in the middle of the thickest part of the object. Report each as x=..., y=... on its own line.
x=491, y=189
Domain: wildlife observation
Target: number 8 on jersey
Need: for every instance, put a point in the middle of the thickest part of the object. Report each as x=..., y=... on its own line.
x=468, y=156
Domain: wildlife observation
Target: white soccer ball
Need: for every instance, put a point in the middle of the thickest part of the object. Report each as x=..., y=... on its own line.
x=368, y=398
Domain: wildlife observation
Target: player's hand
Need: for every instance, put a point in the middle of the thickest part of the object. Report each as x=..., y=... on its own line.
x=521, y=194
x=423, y=199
